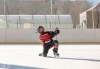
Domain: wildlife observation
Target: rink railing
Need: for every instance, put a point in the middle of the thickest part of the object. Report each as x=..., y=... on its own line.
x=66, y=36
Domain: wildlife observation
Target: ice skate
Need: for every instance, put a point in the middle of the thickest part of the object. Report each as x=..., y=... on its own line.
x=41, y=54
x=56, y=55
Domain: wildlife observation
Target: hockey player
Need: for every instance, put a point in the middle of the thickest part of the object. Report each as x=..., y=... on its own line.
x=48, y=42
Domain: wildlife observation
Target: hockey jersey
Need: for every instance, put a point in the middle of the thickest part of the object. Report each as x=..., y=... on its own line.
x=46, y=37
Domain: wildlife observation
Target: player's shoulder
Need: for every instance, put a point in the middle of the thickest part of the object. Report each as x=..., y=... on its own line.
x=49, y=31
x=46, y=31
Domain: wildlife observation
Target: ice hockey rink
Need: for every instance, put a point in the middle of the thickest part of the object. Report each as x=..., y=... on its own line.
x=71, y=57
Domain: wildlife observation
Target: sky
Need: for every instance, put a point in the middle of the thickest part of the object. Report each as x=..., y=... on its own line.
x=95, y=1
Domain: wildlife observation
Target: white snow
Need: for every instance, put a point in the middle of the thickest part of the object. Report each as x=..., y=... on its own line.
x=71, y=57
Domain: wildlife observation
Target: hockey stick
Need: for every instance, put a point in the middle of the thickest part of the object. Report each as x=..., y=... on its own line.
x=56, y=29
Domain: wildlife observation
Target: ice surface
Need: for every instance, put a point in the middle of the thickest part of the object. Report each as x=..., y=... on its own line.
x=71, y=57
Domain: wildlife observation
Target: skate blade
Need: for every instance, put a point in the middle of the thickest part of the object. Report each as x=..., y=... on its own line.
x=56, y=56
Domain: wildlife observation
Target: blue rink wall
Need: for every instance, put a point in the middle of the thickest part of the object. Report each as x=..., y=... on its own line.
x=66, y=36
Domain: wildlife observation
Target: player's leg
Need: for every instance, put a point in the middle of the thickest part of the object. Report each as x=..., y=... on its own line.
x=55, y=50
x=45, y=51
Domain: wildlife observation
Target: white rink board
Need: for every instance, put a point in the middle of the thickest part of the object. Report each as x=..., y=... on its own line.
x=71, y=57
x=66, y=35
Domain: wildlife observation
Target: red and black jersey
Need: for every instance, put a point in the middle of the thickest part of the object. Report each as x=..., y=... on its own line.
x=46, y=37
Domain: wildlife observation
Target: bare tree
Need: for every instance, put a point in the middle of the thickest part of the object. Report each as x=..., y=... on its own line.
x=74, y=8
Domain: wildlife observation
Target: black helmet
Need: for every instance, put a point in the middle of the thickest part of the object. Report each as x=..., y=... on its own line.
x=39, y=28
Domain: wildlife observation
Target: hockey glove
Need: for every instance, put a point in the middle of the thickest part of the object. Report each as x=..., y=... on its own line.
x=57, y=31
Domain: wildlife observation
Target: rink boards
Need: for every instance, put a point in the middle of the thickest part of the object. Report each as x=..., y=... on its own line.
x=69, y=36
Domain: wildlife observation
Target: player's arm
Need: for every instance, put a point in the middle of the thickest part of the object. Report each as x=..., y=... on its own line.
x=53, y=33
x=57, y=31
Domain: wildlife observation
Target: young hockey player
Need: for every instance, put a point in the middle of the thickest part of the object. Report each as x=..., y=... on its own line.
x=48, y=42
